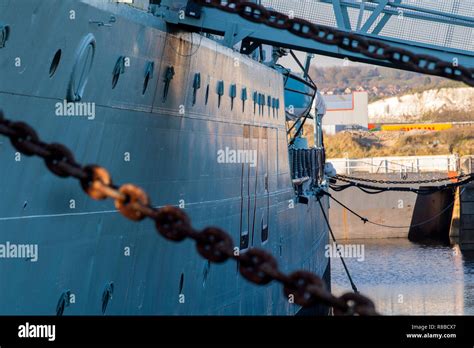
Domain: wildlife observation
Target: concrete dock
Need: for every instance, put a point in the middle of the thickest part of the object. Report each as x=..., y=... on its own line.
x=466, y=231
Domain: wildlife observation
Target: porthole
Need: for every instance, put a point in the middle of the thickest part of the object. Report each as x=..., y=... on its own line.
x=82, y=67
x=55, y=63
x=145, y=83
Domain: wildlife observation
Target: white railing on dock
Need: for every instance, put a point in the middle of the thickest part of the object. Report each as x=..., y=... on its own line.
x=401, y=164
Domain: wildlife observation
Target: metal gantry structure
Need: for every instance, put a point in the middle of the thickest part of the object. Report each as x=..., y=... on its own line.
x=439, y=28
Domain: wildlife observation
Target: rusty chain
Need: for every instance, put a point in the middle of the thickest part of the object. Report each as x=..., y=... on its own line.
x=345, y=40
x=212, y=243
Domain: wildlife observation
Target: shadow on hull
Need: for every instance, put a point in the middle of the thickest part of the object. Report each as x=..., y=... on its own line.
x=432, y=217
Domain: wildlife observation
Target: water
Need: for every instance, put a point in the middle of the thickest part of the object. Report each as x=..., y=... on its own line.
x=404, y=278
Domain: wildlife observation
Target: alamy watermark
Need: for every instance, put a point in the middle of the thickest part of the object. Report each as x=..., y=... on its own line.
x=28, y=330
x=229, y=155
x=69, y=109
x=347, y=251
x=19, y=251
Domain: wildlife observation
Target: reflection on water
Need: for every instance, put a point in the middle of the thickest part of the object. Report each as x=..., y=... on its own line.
x=404, y=278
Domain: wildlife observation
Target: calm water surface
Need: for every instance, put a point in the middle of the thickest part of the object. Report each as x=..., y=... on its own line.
x=404, y=278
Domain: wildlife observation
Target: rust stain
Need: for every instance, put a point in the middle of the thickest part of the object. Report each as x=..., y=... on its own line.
x=452, y=175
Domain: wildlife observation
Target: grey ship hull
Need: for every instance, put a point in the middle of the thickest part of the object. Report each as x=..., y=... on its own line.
x=86, y=246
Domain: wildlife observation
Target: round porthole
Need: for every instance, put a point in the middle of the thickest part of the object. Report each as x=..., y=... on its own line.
x=207, y=94
x=145, y=83
x=82, y=67
x=55, y=63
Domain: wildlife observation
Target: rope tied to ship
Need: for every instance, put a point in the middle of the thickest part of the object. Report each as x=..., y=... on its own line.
x=212, y=243
x=353, y=42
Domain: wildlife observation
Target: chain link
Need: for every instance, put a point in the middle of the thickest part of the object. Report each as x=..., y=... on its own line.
x=371, y=48
x=401, y=182
x=212, y=243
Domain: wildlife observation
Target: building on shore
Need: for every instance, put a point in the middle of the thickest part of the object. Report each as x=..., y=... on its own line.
x=346, y=111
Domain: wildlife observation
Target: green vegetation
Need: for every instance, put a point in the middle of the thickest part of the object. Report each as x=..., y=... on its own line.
x=451, y=115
